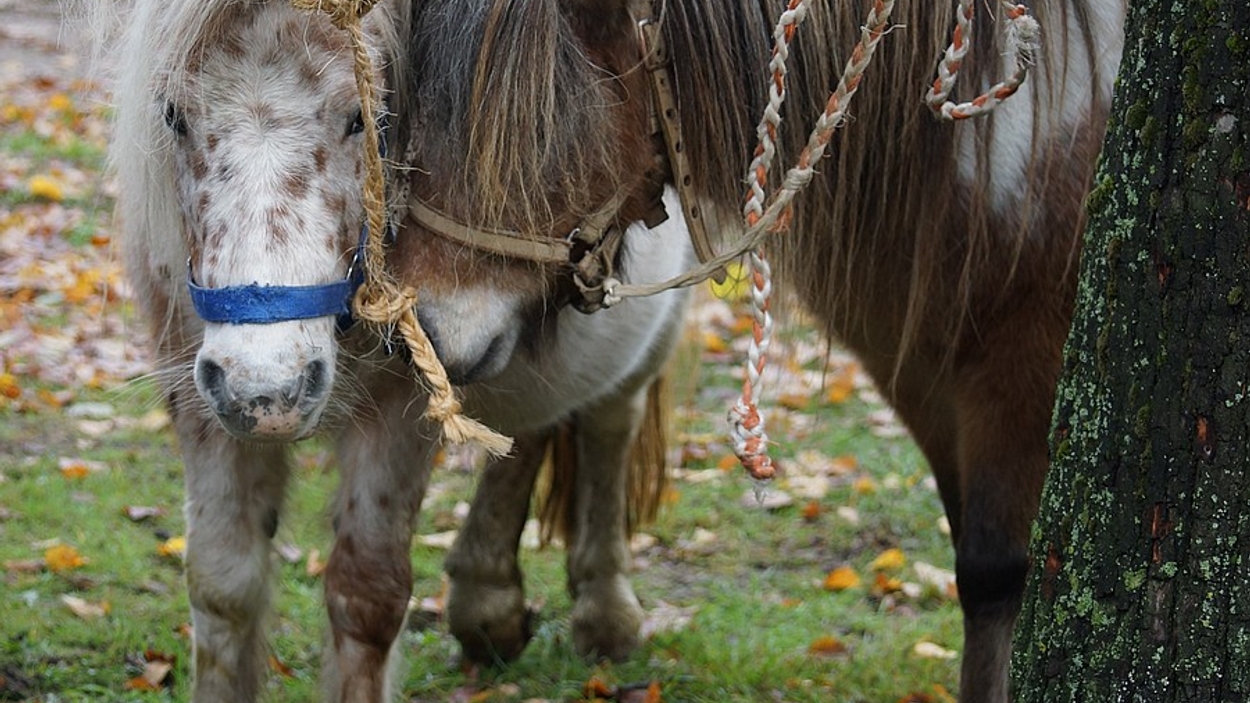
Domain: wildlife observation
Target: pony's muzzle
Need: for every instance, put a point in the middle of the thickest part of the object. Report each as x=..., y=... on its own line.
x=264, y=409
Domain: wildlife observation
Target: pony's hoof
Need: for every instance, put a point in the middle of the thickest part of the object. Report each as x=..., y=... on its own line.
x=606, y=622
x=492, y=624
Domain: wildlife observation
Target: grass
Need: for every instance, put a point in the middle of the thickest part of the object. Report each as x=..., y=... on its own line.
x=756, y=595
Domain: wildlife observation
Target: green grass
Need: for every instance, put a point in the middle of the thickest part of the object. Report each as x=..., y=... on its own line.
x=756, y=596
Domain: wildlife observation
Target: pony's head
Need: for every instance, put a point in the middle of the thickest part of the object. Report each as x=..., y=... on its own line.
x=245, y=116
x=530, y=118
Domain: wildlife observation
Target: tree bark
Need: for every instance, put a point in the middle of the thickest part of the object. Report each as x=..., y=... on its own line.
x=1140, y=580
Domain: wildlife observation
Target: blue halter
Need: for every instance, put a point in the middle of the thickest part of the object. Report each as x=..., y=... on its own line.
x=256, y=304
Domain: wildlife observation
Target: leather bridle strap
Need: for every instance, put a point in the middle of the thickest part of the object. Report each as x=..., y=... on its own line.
x=495, y=241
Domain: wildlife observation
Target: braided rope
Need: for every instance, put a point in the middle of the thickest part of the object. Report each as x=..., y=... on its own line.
x=750, y=438
x=1023, y=43
x=747, y=423
x=381, y=300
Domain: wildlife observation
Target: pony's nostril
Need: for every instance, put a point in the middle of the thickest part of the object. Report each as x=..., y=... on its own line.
x=212, y=378
x=314, y=379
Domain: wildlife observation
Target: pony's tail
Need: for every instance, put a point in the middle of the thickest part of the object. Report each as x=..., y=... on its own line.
x=648, y=472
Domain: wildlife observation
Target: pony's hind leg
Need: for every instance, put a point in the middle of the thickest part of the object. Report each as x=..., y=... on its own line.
x=384, y=462
x=234, y=496
x=486, y=608
x=606, y=614
x=1003, y=410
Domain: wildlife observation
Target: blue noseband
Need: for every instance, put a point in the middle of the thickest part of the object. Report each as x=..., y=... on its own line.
x=256, y=304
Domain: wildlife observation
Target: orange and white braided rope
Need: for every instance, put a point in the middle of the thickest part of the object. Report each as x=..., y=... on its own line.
x=1023, y=43
x=750, y=437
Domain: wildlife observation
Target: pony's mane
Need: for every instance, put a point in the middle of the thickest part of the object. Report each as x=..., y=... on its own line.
x=519, y=110
x=720, y=51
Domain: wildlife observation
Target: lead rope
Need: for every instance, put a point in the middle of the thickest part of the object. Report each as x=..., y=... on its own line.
x=1023, y=43
x=380, y=299
x=750, y=438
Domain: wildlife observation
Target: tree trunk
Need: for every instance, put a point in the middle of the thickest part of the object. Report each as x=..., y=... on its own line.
x=1140, y=584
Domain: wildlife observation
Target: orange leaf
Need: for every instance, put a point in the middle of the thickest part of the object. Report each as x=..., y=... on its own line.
x=812, y=511
x=841, y=578
x=9, y=387
x=864, y=486
x=727, y=462
x=890, y=559
x=173, y=547
x=74, y=470
x=63, y=557
x=883, y=584
x=714, y=343
x=827, y=647
x=597, y=688
x=279, y=668
x=315, y=565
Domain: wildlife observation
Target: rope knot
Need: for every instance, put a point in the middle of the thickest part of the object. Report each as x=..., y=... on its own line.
x=344, y=14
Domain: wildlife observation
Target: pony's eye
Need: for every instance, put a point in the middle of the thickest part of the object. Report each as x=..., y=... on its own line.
x=358, y=124
x=175, y=120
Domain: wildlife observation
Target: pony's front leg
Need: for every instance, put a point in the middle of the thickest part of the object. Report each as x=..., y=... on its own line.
x=606, y=613
x=384, y=459
x=486, y=600
x=234, y=497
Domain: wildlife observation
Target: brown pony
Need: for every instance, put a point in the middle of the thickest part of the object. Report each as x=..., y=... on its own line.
x=941, y=254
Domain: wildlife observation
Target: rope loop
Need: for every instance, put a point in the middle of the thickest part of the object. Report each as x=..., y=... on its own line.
x=1023, y=40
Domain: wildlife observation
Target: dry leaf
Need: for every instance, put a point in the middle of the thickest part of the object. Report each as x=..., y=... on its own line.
x=276, y=666
x=812, y=511
x=827, y=647
x=943, y=580
x=25, y=566
x=841, y=578
x=597, y=688
x=884, y=585
x=83, y=608
x=173, y=547
x=46, y=188
x=139, y=513
x=8, y=386
x=315, y=566
x=154, y=677
x=928, y=650
x=640, y=694
x=849, y=514
x=438, y=540
x=864, y=486
x=768, y=499
x=62, y=557
x=888, y=560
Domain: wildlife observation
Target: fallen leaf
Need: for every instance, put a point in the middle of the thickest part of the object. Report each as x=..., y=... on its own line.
x=812, y=511
x=155, y=676
x=827, y=647
x=794, y=401
x=139, y=513
x=83, y=608
x=8, y=386
x=943, y=580
x=849, y=514
x=640, y=694
x=173, y=547
x=665, y=618
x=62, y=557
x=884, y=585
x=25, y=566
x=841, y=578
x=888, y=560
x=928, y=650
x=289, y=553
x=597, y=688
x=438, y=540
x=276, y=666
x=44, y=187
x=315, y=565
x=864, y=485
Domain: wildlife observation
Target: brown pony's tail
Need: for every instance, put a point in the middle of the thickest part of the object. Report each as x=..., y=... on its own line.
x=648, y=472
